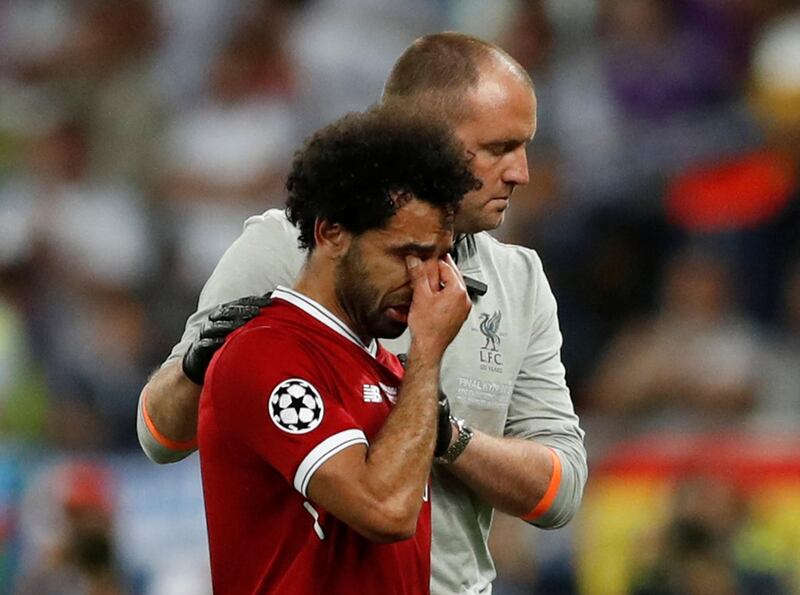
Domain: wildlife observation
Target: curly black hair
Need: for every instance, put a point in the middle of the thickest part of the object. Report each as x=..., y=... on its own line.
x=350, y=171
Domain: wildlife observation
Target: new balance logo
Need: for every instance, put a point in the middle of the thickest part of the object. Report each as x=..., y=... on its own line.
x=372, y=394
x=391, y=392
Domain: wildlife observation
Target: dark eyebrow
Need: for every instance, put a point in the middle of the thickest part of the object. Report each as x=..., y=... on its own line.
x=421, y=250
x=414, y=248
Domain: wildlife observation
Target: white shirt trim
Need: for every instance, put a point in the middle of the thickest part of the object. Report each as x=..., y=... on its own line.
x=321, y=313
x=322, y=452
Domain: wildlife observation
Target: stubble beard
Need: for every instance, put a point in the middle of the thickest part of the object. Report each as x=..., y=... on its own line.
x=360, y=299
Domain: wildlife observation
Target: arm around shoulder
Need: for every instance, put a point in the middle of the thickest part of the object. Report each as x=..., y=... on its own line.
x=263, y=257
x=537, y=470
x=541, y=408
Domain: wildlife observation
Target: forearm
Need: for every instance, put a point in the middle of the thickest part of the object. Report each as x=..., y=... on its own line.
x=168, y=414
x=511, y=474
x=400, y=458
x=379, y=490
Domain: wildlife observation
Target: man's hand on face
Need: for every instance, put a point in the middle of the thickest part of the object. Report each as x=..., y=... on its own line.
x=221, y=322
x=440, y=303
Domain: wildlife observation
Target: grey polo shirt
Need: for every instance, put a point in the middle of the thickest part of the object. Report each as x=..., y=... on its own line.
x=502, y=373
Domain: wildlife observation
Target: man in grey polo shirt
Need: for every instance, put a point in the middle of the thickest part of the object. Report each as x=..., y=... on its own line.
x=517, y=446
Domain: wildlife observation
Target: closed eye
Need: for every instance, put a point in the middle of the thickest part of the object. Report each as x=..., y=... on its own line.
x=423, y=252
x=499, y=149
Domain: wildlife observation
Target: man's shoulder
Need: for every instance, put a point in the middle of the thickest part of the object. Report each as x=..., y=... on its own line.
x=272, y=342
x=486, y=242
x=274, y=219
x=489, y=251
x=264, y=256
x=272, y=331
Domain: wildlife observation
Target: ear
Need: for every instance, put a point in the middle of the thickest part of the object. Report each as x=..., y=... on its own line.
x=331, y=239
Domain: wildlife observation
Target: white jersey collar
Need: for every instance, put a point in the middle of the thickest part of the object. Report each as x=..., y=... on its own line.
x=321, y=313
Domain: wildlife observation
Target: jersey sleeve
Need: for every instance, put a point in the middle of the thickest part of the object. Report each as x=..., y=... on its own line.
x=541, y=408
x=268, y=393
x=264, y=256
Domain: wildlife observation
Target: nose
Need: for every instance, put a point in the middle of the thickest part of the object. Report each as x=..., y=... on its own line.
x=517, y=173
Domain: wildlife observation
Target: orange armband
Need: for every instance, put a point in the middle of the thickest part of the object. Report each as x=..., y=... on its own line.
x=550, y=494
x=159, y=437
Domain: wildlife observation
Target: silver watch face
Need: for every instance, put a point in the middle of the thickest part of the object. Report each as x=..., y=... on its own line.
x=459, y=423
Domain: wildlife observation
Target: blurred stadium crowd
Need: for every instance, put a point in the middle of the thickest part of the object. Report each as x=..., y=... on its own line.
x=137, y=135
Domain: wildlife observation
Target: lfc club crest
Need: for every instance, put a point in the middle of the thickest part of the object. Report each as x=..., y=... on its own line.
x=491, y=358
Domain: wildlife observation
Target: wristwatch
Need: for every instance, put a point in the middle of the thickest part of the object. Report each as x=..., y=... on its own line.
x=455, y=450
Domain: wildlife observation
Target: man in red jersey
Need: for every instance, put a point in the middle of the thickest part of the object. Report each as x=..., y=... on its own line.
x=315, y=448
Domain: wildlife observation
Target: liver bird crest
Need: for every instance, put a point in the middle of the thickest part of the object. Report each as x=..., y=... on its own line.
x=489, y=325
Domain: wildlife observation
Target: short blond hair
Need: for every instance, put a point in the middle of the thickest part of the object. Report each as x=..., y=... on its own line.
x=436, y=72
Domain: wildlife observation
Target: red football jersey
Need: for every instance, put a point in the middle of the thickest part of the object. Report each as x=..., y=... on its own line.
x=286, y=392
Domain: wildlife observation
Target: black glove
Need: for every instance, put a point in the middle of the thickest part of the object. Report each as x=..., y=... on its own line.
x=222, y=321
x=444, y=429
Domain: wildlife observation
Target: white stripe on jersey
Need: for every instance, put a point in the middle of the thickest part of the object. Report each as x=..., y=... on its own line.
x=322, y=452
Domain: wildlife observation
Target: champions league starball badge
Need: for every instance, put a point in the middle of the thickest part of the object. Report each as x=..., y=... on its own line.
x=295, y=406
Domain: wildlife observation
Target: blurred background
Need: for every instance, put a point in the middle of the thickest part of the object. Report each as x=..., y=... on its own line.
x=137, y=135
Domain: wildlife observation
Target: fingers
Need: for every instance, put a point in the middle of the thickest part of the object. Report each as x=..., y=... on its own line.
x=439, y=275
x=210, y=344
x=234, y=311
x=246, y=307
x=414, y=266
x=418, y=275
x=221, y=328
x=440, y=303
x=434, y=280
x=448, y=258
x=449, y=273
x=254, y=300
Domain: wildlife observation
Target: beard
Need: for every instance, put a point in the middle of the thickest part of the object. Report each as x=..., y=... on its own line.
x=359, y=297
